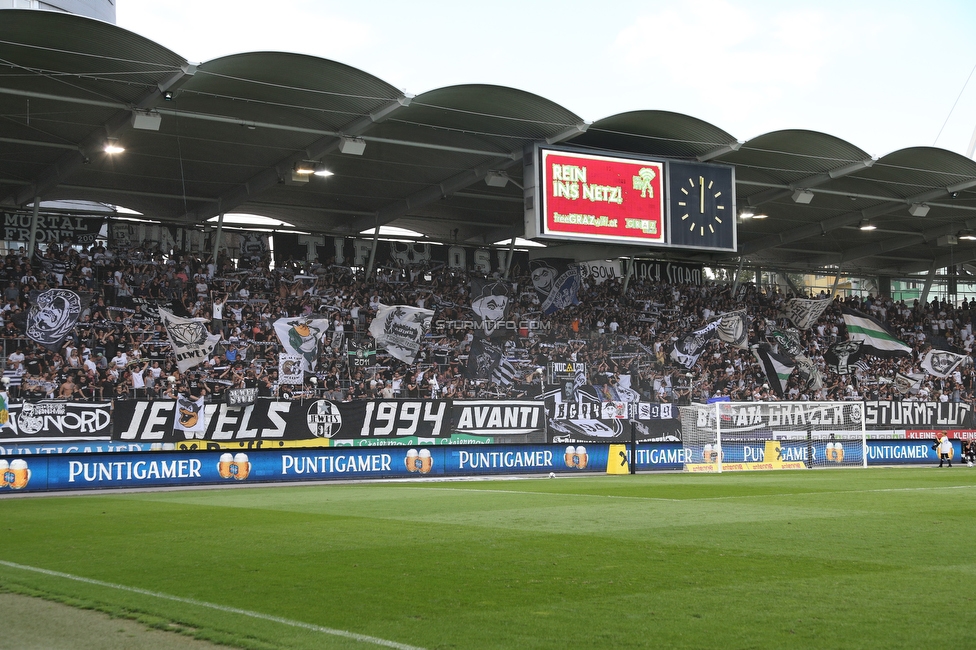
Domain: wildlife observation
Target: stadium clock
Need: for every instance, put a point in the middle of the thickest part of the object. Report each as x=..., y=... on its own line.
x=702, y=202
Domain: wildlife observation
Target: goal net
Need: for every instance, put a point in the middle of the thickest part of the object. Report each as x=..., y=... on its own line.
x=726, y=436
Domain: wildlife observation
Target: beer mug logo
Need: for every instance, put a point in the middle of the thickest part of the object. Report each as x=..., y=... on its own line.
x=835, y=452
x=418, y=461
x=223, y=465
x=235, y=467
x=710, y=453
x=16, y=475
x=576, y=457
x=412, y=461
x=324, y=420
x=426, y=462
x=241, y=467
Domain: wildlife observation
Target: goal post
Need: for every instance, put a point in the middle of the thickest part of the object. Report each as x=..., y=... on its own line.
x=729, y=436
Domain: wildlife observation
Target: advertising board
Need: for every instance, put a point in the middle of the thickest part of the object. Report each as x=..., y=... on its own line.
x=598, y=198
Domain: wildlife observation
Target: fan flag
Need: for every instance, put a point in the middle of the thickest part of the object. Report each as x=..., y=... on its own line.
x=491, y=302
x=556, y=281
x=877, y=339
x=401, y=330
x=504, y=373
x=776, y=366
x=302, y=335
x=804, y=312
x=192, y=342
x=734, y=328
x=190, y=417
x=843, y=355
x=788, y=341
x=942, y=363
x=688, y=348
x=52, y=316
x=808, y=372
x=905, y=384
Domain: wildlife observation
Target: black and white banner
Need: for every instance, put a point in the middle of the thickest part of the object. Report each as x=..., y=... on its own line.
x=58, y=420
x=918, y=415
x=599, y=271
x=51, y=229
x=192, y=342
x=353, y=252
x=601, y=422
x=53, y=314
x=556, y=281
x=290, y=369
x=253, y=245
x=241, y=396
x=908, y=383
x=668, y=272
x=942, y=363
x=495, y=418
x=400, y=329
x=733, y=328
x=491, y=301
x=312, y=421
x=841, y=356
x=805, y=313
x=808, y=373
x=688, y=348
x=483, y=358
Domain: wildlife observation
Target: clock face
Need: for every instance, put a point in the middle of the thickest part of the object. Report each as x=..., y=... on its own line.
x=702, y=205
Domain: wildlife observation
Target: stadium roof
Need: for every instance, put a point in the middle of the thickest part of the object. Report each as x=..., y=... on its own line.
x=232, y=129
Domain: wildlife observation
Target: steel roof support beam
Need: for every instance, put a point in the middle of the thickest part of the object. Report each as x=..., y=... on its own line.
x=393, y=211
x=270, y=177
x=810, y=182
x=850, y=218
x=955, y=257
x=498, y=234
x=905, y=240
x=855, y=195
x=236, y=121
x=720, y=151
x=52, y=175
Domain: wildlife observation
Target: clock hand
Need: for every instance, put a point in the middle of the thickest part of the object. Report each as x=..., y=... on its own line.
x=701, y=191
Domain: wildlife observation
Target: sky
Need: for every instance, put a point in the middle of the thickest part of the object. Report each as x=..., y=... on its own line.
x=881, y=74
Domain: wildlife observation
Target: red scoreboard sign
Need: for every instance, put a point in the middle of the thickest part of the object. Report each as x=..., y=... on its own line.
x=590, y=197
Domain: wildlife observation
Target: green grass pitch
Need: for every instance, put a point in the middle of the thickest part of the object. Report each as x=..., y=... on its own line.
x=805, y=559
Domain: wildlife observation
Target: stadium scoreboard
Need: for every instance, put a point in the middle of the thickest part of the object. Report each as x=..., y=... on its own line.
x=614, y=198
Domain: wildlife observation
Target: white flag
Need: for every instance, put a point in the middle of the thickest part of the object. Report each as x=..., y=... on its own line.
x=942, y=363
x=192, y=342
x=400, y=329
x=302, y=336
x=290, y=369
x=191, y=417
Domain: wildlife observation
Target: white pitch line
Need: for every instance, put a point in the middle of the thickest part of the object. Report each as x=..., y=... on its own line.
x=727, y=498
x=363, y=638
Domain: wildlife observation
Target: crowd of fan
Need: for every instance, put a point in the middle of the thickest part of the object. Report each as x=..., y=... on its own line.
x=120, y=351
